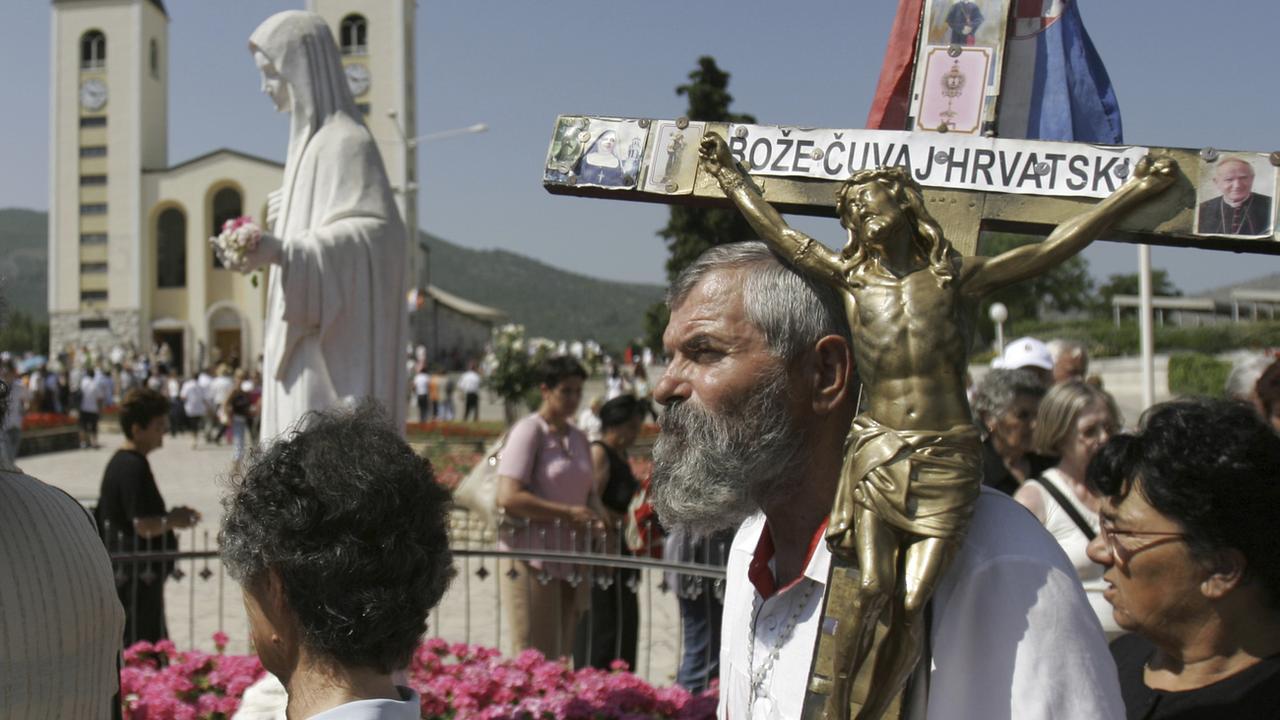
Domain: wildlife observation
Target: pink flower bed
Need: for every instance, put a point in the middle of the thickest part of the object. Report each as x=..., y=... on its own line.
x=159, y=682
x=456, y=681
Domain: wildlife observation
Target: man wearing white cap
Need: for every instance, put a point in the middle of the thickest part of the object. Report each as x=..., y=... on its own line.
x=1028, y=353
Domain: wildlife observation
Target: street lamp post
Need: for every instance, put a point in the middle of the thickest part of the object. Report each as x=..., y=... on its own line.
x=999, y=313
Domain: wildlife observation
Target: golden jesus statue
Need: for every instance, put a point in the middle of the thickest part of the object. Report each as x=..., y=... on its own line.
x=912, y=461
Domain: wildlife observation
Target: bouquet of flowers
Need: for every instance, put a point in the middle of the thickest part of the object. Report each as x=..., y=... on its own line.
x=239, y=237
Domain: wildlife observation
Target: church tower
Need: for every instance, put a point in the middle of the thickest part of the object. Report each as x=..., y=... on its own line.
x=108, y=112
x=377, y=45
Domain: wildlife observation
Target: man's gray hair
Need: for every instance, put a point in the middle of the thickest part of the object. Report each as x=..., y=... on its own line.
x=1242, y=382
x=792, y=310
x=1000, y=388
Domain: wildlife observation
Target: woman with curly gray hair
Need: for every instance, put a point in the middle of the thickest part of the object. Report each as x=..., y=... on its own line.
x=1005, y=407
x=338, y=537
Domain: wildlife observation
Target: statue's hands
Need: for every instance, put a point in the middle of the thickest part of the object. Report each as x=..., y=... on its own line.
x=1153, y=174
x=267, y=252
x=715, y=154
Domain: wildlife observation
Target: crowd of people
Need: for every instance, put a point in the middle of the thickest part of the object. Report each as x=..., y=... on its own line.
x=433, y=389
x=1155, y=538
x=215, y=404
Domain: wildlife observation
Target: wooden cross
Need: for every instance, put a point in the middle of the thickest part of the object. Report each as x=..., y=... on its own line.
x=973, y=183
x=1012, y=174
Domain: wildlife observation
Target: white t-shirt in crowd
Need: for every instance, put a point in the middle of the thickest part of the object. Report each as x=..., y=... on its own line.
x=219, y=388
x=469, y=382
x=421, y=383
x=90, y=395
x=193, y=400
x=1013, y=636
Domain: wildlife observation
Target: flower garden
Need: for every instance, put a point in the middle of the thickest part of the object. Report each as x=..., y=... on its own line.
x=455, y=681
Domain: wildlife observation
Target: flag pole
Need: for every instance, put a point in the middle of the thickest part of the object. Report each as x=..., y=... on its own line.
x=1145, y=330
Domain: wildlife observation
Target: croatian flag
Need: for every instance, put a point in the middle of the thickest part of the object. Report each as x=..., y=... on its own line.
x=1054, y=85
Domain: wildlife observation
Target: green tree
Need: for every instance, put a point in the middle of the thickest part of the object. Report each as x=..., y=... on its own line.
x=1065, y=288
x=1127, y=284
x=20, y=332
x=690, y=231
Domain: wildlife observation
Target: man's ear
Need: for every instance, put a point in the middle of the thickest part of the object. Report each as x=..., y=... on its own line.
x=832, y=375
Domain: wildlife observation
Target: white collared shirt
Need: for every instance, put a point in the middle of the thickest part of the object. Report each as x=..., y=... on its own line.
x=1013, y=636
x=781, y=690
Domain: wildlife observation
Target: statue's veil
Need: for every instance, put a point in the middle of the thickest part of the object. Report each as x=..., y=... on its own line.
x=301, y=47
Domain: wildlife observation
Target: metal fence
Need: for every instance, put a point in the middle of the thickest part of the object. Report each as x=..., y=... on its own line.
x=199, y=599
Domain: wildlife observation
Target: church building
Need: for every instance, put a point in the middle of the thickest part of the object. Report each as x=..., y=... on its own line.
x=129, y=255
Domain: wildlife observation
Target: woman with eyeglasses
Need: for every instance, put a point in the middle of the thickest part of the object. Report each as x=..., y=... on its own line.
x=1189, y=539
x=1074, y=420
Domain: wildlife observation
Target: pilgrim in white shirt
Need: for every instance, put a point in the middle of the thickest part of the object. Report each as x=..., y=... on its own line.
x=1013, y=636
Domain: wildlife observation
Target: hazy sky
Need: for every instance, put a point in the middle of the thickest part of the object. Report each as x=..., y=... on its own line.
x=1188, y=73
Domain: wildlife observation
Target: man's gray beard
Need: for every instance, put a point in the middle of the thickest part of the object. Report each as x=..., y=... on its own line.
x=712, y=471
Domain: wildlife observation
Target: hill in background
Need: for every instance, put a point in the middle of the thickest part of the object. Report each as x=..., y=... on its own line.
x=548, y=301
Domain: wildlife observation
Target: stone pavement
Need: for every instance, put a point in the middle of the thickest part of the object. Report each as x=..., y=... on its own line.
x=197, y=607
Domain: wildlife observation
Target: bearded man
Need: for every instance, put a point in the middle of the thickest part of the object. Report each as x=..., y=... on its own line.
x=912, y=457
x=759, y=394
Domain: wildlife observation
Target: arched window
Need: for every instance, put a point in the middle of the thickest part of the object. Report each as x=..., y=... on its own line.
x=227, y=205
x=171, y=249
x=155, y=58
x=93, y=50
x=354, y=35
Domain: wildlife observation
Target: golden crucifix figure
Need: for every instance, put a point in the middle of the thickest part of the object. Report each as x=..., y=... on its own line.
x=912, y=461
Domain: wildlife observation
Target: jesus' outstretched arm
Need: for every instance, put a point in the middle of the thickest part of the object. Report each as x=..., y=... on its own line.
x=981, y=276
x=802, y=250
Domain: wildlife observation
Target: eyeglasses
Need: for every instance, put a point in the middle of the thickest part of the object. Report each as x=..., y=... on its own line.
x=1122, y=553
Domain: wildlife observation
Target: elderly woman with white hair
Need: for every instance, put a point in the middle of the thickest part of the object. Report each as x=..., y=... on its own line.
x=1005, y=406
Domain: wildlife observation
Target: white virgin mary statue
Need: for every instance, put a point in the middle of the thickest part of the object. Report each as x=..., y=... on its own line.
x=336, y=326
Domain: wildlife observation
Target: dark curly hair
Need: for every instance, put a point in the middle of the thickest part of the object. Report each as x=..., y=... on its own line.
x=1211, y=466
x=356, y=527
x=620, y=411
x=139, y=407
x=558, y=368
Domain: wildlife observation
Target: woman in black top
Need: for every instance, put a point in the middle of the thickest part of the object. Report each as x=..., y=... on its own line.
x=132, y=517
x=1188, y=538
x=609, y=629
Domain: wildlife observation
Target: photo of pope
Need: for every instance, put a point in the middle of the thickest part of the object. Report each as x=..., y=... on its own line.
x=1238, y=210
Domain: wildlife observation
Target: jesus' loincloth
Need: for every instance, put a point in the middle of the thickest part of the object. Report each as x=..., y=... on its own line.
x=920, y=482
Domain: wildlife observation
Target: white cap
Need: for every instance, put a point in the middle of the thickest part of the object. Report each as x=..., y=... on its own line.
x=1026, y=352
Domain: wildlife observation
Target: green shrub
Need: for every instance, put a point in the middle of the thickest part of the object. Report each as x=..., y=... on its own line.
x=1197, y=374
x=1105, y=339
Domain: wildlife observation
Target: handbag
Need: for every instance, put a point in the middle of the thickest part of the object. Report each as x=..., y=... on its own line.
x=478, y=491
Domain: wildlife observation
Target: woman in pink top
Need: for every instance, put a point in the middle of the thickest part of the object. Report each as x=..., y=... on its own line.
x=545, y=484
